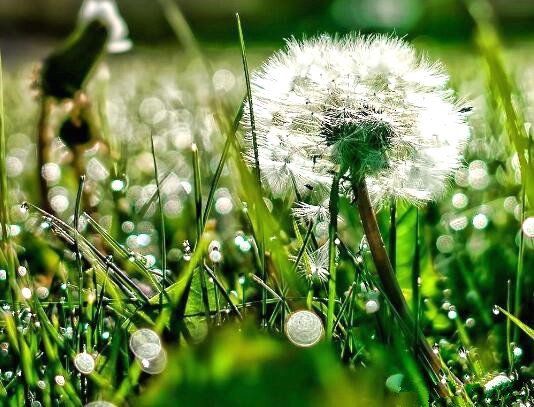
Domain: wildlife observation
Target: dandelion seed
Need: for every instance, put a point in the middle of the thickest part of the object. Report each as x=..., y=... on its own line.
x=316, y=267
x=308, y=212
x=370, y=100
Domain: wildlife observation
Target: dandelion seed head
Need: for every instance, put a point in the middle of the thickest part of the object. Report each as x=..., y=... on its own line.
x=315, y=267
x=370, y=103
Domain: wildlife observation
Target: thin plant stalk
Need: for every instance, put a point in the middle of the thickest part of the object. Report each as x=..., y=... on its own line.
x=509, y=327
x=199, y=224
x=44, y=141
x=230, y=139
x=79, y=258
x=4, y=193
x=521, y=254
x=304, y=246
x=162, y=224
x=416, y=275
x=332, y=236
x=257, y=171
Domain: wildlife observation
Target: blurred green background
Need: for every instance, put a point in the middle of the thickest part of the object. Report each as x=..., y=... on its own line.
x=212, y=20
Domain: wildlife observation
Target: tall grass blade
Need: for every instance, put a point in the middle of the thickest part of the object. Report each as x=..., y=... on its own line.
x=199, y=224
x=521, y=325
x=257, y=173
x=162, y=223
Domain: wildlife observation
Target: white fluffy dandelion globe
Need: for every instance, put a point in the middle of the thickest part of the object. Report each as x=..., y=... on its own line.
x=371, y=101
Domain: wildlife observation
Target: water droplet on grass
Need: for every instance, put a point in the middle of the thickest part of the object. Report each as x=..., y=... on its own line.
x=304, y=328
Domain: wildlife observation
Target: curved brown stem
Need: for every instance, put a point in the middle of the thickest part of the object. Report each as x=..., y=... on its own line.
x=388, y=280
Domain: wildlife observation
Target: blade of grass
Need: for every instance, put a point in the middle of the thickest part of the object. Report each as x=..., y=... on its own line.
x=79, y=260
x=332, y=236
x=4, y=205
x=223, y=291
x=199, y=224
x=521, y=325
x=416, y=274
x=4, y=213
x=521, y=254
x=508, y=327
x=162, y=222
x=230, y=139
x=257, y=172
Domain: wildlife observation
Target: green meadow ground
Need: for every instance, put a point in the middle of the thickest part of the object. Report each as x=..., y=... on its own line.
x=471, y=250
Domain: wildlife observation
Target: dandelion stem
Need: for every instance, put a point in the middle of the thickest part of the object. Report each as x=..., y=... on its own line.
x=332, y=236
x=393, y=233
x=390, y=286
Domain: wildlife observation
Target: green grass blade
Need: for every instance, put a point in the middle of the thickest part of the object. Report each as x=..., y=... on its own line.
x=79, y=258
x=4, y=213
x=199, y=224
x=521, y=325
x=162, y=222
